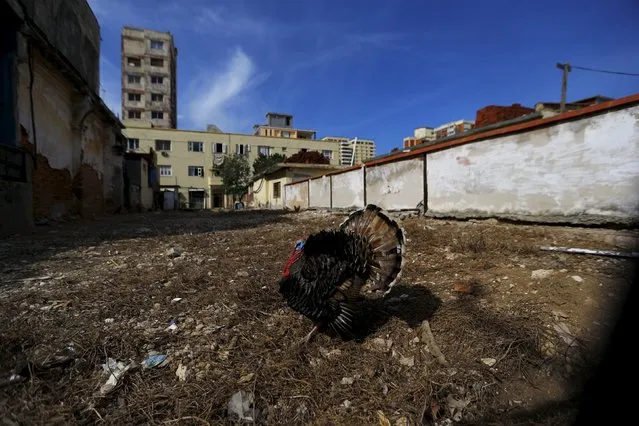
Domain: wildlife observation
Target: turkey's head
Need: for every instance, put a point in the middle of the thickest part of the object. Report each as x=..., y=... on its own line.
x=298, y=249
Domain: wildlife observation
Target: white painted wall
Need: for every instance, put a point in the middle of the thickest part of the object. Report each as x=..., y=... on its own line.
x=320, y=192
x=348, y=189
x=395, y=186
x=52, y=104
x=585, y=167
x=296, y=195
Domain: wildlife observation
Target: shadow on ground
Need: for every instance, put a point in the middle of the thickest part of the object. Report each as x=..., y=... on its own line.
x=50, y=240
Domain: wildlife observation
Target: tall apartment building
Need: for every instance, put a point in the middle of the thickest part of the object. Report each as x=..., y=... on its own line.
x=421, y=135
x=149, y=85
x=453, y=128
x=353, y=151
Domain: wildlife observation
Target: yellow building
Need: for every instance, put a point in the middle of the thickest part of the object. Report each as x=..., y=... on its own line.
x=187, y=159
x=281, y=126
x=267, y=188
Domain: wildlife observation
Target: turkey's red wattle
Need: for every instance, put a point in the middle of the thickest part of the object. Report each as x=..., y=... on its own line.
x=295, y=255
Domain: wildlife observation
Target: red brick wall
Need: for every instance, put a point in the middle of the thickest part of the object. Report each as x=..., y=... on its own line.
x=494, y=114
x=51, y=187
x=55, y=191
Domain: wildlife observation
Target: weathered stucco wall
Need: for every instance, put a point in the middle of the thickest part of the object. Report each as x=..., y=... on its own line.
x=583, y=171
x=348, y=189
x=396, y=186
x=76, y=170
x=296, y=195
x=72, y=28
x=320, y=192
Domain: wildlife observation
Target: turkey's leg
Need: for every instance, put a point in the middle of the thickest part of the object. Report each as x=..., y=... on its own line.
x=310, y=335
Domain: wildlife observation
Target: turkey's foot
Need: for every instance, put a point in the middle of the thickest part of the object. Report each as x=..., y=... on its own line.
x=310, y=335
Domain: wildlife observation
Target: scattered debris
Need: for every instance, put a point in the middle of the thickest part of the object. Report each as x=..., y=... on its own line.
x=383, y=420
x=242, y=274
x=577, y=278
x=242, y=404
x=408, y=361
x=116, y=370
x=347, y=381
x=429, y=340
x=463, y=288
x=590, y=251
x=540, y=274
x=158, y=360
x=174, y=252
x=489, y=361
x=180, y=372
x=246, y=378
x=379, y=344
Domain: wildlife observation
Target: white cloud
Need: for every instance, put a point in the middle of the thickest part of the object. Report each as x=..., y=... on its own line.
x=217, y=22
x=222, y=99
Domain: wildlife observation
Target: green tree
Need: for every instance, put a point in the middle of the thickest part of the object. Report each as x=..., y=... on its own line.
x=307, y=157
x=235, y=173
x=262, y=162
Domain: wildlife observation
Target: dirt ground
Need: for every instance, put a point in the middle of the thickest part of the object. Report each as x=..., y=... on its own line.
x=514, y=329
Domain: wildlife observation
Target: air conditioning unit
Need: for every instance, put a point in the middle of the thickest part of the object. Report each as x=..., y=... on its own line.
x=165, y=154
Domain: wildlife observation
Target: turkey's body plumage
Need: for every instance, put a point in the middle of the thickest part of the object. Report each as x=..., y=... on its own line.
x=324, y=277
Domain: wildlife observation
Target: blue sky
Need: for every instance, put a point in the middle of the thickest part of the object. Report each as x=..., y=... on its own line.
x=375, y=68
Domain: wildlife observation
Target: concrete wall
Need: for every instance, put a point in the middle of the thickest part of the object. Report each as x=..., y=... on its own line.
x=320, y=192
x=77, y=171
x=72, y=28
x=584, y=170
x=348, y=189
x=296, y=195
x=396, y=186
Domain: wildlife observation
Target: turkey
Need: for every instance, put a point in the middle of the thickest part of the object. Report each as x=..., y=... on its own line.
x=325, y=272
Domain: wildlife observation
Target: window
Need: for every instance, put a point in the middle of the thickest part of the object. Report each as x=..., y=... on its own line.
x=327, y=153
x=156, y=79
x=134, y=62
x=162, y=145
x=196, y=171
x=135, y=115
x=134, y=79
x=264, y=150
x=157, y=44
x=276, y=189
x=133, y=143
x=165, y=171
x=242, y=149
x=158, y=115
x=136, y=97
x=283, y=149
x=157, y=62
x=196, y=146
x=303, y=150
x=157, y=97
x=219, y=148
x=286, y=134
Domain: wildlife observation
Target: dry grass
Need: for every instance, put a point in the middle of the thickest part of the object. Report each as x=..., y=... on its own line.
x=470, y=281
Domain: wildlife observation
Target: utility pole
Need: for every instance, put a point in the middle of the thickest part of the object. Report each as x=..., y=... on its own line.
x=564, y=84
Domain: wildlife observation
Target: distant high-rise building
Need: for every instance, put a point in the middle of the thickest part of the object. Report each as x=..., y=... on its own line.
x=353, y=151
x=453, y=128
x=149, y=83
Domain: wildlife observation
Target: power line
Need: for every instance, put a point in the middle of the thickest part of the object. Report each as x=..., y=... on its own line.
x=605, y=71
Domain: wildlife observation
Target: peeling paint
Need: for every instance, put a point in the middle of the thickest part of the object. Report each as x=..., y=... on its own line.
x=590, y=166
x=296, y=195
x=320, y=192
x=348, y=189
x=397, y=185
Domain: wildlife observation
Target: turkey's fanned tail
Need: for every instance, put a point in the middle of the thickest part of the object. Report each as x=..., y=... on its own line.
x=386, y=241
